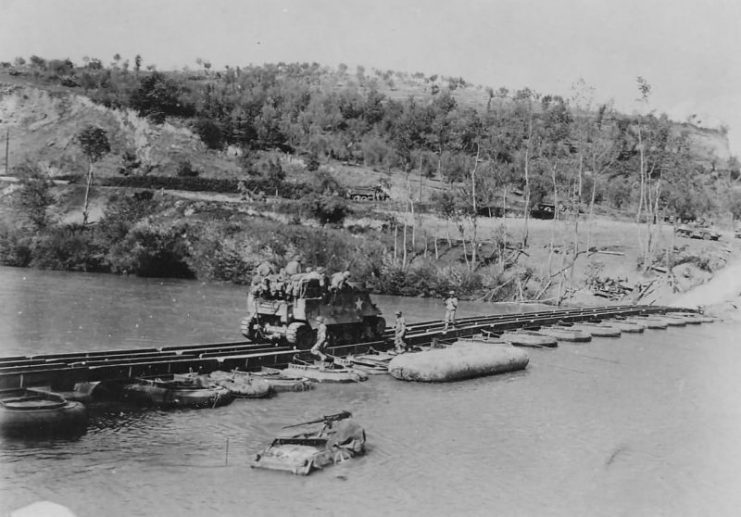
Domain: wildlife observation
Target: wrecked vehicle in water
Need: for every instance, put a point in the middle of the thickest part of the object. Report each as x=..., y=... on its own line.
x=302, y=448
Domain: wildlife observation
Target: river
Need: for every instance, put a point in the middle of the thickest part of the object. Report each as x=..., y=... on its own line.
x=641, y=425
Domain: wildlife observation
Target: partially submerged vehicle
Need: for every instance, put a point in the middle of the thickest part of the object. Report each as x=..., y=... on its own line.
x=32, y=412
x=349, y=312
x=302, y=448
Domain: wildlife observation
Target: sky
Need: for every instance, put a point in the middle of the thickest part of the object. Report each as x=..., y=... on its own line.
x=687, y=50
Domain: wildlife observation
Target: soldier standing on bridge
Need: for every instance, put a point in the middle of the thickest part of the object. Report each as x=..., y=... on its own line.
x=321, y=339
x=451, y=305
x=400, y=332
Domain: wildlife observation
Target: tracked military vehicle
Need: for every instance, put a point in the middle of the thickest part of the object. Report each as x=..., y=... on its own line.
x=287, y=314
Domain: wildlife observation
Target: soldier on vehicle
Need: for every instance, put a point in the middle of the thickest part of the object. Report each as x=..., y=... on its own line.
x=263, y=287
x=345, y=280
x=400, y=332
x=265, y=269
x=451, y=305
x=321, y=338
x=339, y=281
x=313, y=274
x=278, y=285
x=323, y=279
x=335, y=281
x=294, y=266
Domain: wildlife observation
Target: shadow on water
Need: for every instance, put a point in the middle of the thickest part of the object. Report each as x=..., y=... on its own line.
x=41, y=439
x=642, y=425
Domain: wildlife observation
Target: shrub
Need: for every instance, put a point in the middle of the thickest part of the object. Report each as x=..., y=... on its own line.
x=158, y=97
x=327, y=209
x=33, y=199
x=322, y=182
x=69, y=248
x=312, y=161
x=152, y=252
x=210, y=133
x=16, y=247
x=214, y=255
x=186, y=170
x=122, y=213
x=130, y=163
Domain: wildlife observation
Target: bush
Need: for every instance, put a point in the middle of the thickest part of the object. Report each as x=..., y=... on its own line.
x=426, y=279
x=152, y=252
x=734, y=205
x=130, y=163
x=186, y=170
x=69, y=248
x=210, y=133
x=322, y=182
x=158, y=97
x=327, y=209
x=122, y=213
x=34, y=197
x=215, y=255
x=312, y=161
x=16, y=247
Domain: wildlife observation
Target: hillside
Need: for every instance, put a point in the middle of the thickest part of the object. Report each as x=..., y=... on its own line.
x=42, y=125
x=42, y=118
x=305, y=134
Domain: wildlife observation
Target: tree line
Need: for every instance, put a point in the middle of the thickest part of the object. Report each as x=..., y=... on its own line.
x=513, y=149
x=571, y=150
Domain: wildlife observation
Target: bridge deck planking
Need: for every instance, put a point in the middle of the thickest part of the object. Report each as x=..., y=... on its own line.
x=66, y=369
x=225, y=346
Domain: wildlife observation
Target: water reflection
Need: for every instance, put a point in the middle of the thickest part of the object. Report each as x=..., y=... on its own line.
x=645, y=424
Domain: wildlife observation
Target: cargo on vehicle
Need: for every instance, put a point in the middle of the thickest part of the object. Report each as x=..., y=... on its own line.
x=289, y=314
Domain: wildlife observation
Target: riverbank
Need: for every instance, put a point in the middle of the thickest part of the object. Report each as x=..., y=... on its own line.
x=719, y=297
x=223, y=237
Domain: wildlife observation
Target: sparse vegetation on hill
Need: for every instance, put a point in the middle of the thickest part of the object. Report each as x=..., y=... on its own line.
x=303, y=132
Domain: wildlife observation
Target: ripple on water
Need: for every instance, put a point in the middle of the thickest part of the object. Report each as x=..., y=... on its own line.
x=646, y=424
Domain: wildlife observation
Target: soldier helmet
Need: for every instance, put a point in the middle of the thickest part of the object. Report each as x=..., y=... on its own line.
x=451, y=292
x=398, y=313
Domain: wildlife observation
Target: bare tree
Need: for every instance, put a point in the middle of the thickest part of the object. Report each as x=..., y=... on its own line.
x=94, y=143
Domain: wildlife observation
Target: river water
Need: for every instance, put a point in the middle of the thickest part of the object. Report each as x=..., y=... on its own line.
x=641, y=425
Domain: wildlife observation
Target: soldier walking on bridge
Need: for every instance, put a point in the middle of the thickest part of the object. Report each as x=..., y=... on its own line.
x=451, y=305
x=321, y=339
x=400, y=332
